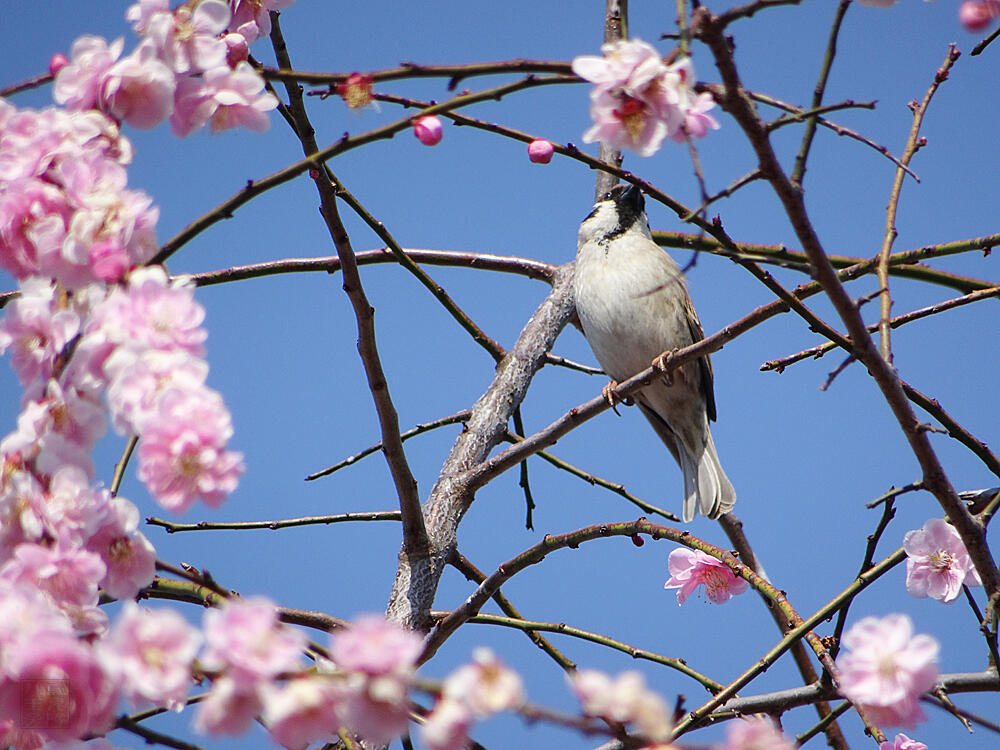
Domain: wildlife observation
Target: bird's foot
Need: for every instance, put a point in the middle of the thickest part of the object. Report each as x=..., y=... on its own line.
x=662, y=363
x=613, y=399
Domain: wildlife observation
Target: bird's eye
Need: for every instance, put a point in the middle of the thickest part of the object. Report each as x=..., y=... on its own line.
x=607, y=196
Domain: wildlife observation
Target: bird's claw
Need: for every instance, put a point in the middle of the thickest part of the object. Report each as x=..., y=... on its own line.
x=609, y=391
x=662, y=363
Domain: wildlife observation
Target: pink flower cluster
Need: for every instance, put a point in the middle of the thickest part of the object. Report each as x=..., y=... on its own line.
x=887, y=669
x=625, y=700
x=691, y=568
x=902, y=742
x=65, y=211
x=472, y=692
x=638, y=101
x=937, y=563
x=190, y=66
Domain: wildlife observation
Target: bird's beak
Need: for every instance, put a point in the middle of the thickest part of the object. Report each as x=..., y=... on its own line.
x=633, y=198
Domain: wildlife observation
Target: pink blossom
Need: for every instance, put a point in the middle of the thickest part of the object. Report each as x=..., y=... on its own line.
x=755, y=734
x=237, y=49
x=245, y=639
x=129, y=557
x=251, y=17
x=183, y=456
x=45, y=436
x=77, y=85
x=151, y=652
x=697, y=122
x=888, y=669
x=67, y=574
x=692, y=568
x=142, y=13
x=540, y=151
x=902, y=742
x=376, y=646
x=34, y=215
x=139, y=89
x=447, y=726
x=380, y=658
x=57, y=688
x=22, y=507
x=105, y=211
x=356, y=91
x=634, y=102
x=140, y=378
x=153, y=312
x=301, y=712
x=25, y=612
x=74, y=511
x=486, y=686
x=428, y=130
x=624, y=699
x=224, y=98
x=187, y=40
x=937, y=563
x=229, y=708
x=976, y=15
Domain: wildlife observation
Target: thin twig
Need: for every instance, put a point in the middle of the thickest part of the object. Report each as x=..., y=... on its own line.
x=799, y=170
x=285, y=523
x=458, y=418
x=913, y=144
x=414, y=533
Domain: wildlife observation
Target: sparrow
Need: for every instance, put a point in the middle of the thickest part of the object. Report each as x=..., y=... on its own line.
x=634, y=307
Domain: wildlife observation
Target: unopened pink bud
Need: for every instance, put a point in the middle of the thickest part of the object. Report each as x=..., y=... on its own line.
x=428, y=130
x=974, y=15
x=540, y=151
x=57, y=62
x=237, y=49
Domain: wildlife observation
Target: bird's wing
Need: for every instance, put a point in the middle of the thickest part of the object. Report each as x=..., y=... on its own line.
x=704, y=363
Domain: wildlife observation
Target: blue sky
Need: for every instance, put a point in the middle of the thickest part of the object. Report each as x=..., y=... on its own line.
x=804, y=462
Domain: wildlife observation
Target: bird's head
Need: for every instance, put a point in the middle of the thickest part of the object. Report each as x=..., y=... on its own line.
x=621, y=210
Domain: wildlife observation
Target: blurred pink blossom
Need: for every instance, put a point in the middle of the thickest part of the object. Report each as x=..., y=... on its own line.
x=186, y=40
x=36, y=327
x=755, y=734
x=224, y=98
x=888, y=668
x=139, y=89
x=624, y=699
x=937, y=563
x=486, y=686
x=151, y=653
x=447, y=726
x=380, y=658
x=229, y=708
x=67, y=574
x=697, y=122
x=57, y=687
x=902, y=742
x=22, y=506
x=74, y=510
x=301, y=712
x=428, y=130
x=245, y=639
x=128, y=555
x=77, y=85
x=692, y=568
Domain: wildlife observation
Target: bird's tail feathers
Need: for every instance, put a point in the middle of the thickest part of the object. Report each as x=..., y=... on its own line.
x=707, y=489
